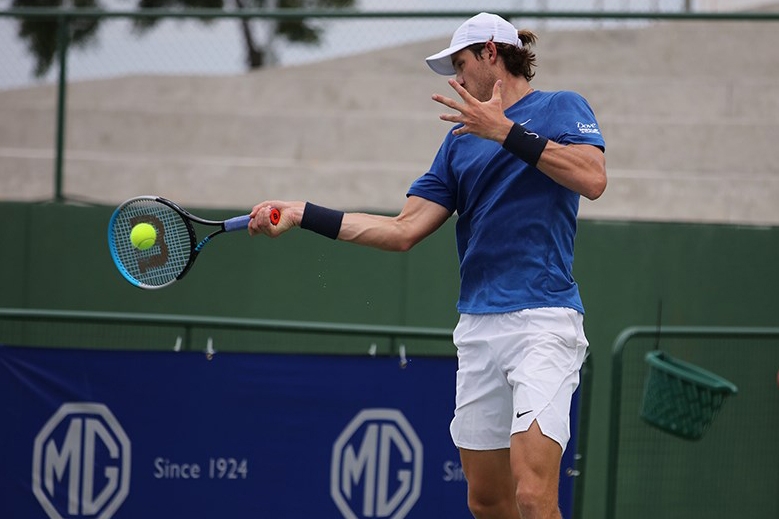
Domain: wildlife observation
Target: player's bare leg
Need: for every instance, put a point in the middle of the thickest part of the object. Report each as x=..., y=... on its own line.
x=535, y=464
x=490, y=484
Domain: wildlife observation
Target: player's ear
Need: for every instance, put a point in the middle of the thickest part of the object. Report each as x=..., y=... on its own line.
x=492, y=51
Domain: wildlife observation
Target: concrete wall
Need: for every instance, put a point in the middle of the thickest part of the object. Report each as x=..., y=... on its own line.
x=689, y=110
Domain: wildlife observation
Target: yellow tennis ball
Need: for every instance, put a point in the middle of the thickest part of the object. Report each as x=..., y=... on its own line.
x=143, y=236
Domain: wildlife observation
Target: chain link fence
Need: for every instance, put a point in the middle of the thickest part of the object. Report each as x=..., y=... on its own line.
x=123, y=99
x=212, y=44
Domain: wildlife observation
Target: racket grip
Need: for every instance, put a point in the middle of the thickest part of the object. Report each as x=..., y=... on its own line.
x=239, y=223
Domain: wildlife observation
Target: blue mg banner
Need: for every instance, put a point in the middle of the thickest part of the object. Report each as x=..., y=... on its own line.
x=122, y=434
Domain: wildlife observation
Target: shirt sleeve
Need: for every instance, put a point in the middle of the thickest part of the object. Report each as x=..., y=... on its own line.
x=575, y=121
x=438, y=184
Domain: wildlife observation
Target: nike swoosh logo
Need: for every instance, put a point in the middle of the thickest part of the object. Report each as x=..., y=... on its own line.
x=520, y=415
x=523, y=124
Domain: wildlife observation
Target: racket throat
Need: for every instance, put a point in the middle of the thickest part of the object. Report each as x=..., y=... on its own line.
x=200, y=245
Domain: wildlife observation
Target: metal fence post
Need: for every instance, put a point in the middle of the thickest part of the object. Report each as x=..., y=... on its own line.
x=63, y=41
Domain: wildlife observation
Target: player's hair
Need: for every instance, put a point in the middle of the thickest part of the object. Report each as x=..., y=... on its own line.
x=519, y=61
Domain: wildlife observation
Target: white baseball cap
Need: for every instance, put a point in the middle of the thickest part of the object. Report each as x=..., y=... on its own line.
x=480, y=29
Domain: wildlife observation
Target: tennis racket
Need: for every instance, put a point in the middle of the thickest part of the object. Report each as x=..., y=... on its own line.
x=176, y=245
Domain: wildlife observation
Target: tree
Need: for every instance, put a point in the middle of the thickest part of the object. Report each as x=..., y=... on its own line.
x=296, y=30
x=41, y=34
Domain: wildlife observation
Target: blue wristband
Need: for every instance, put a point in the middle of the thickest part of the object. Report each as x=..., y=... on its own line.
x=322, y=220
x=526, y=145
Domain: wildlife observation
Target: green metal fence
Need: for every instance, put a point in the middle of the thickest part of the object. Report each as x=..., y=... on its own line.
x=67, y=18
x=115, y=330
x=733, y=470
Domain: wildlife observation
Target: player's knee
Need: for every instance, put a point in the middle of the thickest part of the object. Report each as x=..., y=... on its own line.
x=477, y=508
x=535, y=500
x=484, y=505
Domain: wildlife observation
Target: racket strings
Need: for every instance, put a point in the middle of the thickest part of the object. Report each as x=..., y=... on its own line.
x=168, y=257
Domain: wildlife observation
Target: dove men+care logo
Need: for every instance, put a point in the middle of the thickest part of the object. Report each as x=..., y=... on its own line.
x=587, y=127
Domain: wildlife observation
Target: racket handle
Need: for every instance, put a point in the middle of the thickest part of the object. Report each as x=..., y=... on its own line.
x=240, y=223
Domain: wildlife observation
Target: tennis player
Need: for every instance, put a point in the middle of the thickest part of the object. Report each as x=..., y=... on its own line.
x=513, y=169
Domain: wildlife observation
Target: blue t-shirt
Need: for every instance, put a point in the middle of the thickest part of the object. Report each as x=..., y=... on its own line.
x=515, y=226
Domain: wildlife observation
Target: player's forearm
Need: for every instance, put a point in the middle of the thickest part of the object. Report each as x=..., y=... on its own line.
x=580, y=168
x=380, y=232
x=417, y=220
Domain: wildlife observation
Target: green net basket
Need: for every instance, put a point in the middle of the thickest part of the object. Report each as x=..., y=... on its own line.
x=681, y=398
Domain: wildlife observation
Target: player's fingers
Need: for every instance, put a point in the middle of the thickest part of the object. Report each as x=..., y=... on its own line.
x=446, y=101
x=462, y=92
x=260, y=219
x=462, y=130
x=497, y=90
x=257, y=208
x=253, y=226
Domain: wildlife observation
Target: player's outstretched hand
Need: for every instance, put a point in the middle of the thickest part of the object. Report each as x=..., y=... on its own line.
x=483, y=119
x=261, y=221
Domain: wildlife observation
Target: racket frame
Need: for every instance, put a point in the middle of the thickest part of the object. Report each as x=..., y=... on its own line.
x=231, y=224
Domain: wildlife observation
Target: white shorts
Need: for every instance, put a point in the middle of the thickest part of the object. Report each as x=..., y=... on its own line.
x=513, y=369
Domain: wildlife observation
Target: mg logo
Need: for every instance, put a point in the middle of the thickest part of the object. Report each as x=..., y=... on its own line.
x=376, y=468
x=81, y=463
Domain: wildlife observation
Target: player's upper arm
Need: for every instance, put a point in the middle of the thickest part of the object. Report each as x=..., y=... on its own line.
x=421, y=217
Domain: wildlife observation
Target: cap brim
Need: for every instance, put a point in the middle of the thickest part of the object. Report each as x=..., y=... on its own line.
x=441, y=63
